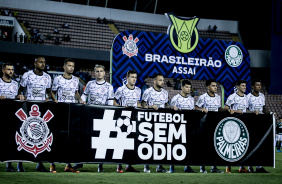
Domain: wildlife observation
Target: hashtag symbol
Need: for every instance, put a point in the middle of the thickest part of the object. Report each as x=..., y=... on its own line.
x=105, y=142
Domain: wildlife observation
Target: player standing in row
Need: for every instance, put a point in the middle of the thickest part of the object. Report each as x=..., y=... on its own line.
x=238, y=103
x=210, y=101
x=155, y=97
x=65, y=87
x=98, y=92
x=256, y=103
x=9, y=90
x=37, y=84
x=183, y=101
x=278, y=134
x=128, y=96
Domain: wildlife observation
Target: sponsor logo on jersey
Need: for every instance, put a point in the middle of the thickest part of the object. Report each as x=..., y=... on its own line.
x=183, y=33
x=35, y=136
x=130, y=48
x=233, y=56
x=231, y=139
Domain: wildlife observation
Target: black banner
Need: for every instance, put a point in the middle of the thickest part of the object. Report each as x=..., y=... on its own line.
x=46, y=131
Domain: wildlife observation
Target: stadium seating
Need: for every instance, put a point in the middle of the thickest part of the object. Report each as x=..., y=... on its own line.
x=88, y=33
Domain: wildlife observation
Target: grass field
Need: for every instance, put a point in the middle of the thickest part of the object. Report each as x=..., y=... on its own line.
x=89, y=174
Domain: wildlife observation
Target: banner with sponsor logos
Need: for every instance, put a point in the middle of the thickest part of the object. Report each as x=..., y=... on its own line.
x=181, y=53
x=40, y=131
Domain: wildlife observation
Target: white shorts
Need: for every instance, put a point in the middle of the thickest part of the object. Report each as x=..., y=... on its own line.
x=278, y=137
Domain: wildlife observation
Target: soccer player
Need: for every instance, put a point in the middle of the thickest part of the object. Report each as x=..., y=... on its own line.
x=256, y=103
x=279, y=134
x=237, y=102
x=9, y=90
x=210, y=101
x=155, y=97
x=98, y=92
x=183, y=101
x=37, y=84
x=129, y=96
x=65, y=87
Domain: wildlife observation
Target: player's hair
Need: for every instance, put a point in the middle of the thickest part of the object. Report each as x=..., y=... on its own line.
x=241, y=82
x=6, y=64
x=157, y=74
x=69, y=60
x=36, y=58
x=254, y=81
x=209, y=81
x=131, y=72
x=99, y=66
x=185, y=81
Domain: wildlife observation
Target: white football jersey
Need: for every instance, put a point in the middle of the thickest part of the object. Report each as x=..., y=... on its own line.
x=181, y=102
x=153, y=97
x=236, y=102
x=128, y=97
x=208, y=102
x=66, y=88
x=256, y=103
x=9, y=89
x=99, y=93
x=36, y=85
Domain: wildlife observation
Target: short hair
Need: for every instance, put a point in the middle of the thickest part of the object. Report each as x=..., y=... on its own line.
x=254, y=81
x=36, y=58
x=131, y=72
x=6, y=64
x=99, y=66
x=239, y=82
x=209, y=81
x=158, y=74
x=185, y=81
x=69, y=60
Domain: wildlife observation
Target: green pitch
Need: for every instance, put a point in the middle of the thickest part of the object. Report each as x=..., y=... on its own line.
x=89, y=174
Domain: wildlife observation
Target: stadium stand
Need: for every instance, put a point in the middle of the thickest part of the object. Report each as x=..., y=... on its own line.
x=89, y=33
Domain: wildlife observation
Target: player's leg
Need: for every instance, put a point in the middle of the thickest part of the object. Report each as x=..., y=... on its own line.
x=20, y=167
x=129, y=168
x=228, y=169
x=203, y=169
x=242, y=169
x=161, y=169
x=9, y=167
x=69, y=168
x=171, y=169
x=119, y=168
x=40, y=167
x=147, y=169
x=214, y=169
x=53, y=168
x=100, y=168
x=188, y=169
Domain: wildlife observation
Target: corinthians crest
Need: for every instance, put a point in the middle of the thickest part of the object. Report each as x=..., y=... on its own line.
x=130, y=48
x=231, y=139
x=35, y=137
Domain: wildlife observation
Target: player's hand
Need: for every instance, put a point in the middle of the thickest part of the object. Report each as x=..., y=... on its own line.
x=155, y=107
x=2, y=97
x=204, y=110
x=20, y=97
x=240, y=111
x=56, y=101
x=231, y=111
x=256, y=112
x=145, y=107
x=82, y=102
x=175, y=108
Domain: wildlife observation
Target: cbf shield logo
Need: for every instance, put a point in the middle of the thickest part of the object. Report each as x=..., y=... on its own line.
x=35, y=137
x=183, y=33
x=231, y=139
